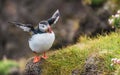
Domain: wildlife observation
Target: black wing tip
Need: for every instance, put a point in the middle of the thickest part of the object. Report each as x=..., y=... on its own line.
x=57, y=13
x=16, y=23
x=54, y=17
x=13, y=22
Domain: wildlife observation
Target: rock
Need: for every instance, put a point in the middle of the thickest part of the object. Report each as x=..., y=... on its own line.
x=91, y=66
x=33, y=68
x=75, y=72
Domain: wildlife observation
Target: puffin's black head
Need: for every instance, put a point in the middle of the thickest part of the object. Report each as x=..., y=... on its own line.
x=45, y=27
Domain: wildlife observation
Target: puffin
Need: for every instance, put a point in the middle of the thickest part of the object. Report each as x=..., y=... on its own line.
x=42, y=37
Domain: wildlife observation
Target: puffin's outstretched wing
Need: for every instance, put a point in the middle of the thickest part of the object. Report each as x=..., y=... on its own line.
x=54, y=18
x=25, y=27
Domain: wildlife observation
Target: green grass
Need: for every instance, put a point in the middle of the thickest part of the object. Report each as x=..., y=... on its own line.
x=6, y=65
x=64, y=61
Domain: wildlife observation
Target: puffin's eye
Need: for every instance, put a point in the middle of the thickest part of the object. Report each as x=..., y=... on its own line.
x=43, y=26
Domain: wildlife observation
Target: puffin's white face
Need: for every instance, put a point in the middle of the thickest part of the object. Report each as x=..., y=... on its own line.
x=44, y=27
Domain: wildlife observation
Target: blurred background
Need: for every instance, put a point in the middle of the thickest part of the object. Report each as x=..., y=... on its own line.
x=78, y=17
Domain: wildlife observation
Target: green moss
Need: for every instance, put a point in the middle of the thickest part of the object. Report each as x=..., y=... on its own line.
x=6, y=65
x=64, y=61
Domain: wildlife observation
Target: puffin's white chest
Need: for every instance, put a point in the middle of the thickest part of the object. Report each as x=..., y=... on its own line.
x=41, y=42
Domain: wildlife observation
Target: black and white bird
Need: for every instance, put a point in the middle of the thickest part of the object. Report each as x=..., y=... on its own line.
x=42, y=36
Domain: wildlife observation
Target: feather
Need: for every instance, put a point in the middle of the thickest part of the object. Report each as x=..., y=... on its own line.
x=25, y=27
x=54, y=18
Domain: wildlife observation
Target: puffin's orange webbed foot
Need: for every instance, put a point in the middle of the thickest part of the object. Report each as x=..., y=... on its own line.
x=44, y=56
x=36, y=59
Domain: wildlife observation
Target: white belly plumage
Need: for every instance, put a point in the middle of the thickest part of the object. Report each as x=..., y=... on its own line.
x=41, y=42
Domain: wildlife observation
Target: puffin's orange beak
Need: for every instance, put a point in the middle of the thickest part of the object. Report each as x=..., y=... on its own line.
x=49, y=30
